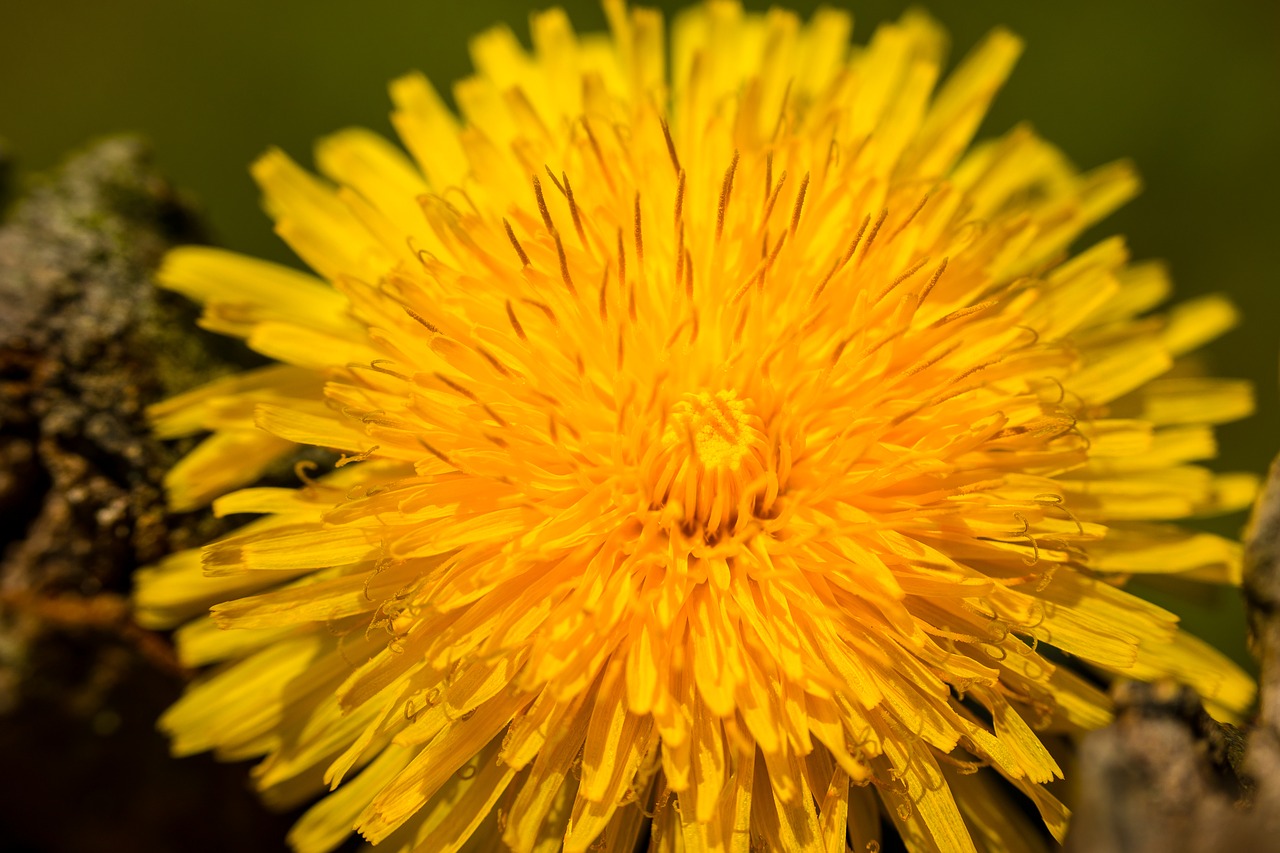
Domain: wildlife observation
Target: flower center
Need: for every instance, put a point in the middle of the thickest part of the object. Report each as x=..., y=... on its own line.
x=714, y=461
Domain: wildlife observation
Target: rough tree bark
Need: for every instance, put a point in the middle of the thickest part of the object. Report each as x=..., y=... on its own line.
x=86, y=342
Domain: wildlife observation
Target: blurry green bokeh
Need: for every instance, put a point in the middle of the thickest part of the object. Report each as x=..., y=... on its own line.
x=1189, y=90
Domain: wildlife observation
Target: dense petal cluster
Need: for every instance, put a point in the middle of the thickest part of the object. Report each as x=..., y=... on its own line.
x=724, y=444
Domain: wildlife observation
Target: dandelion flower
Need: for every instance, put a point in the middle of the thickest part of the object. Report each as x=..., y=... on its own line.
x=732, y=455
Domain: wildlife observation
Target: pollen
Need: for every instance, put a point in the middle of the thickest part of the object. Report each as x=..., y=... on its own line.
x=718, y=426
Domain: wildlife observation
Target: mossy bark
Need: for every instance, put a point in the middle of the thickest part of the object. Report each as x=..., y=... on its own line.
x=86, y=343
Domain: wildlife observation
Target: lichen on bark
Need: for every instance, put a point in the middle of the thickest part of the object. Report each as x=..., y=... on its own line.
x=86, y=343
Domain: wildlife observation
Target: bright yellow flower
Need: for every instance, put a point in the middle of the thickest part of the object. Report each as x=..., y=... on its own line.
x=729, y=439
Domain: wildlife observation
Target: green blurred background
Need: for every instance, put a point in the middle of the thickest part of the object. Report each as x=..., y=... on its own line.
x=1189, y=90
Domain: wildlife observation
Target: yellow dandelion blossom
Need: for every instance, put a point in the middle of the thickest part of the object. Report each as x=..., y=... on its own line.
x=725, y=442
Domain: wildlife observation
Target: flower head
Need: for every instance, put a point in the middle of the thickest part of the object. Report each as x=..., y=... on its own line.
x=725, y=441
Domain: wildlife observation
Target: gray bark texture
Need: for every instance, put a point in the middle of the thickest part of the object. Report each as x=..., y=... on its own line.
x=86, y=343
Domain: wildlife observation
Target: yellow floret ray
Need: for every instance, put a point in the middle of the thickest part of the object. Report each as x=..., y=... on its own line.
x=720, y=438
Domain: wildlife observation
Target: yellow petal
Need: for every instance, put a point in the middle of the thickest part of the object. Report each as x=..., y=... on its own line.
x=203, y=474
x=431, y=769
x=250, y=292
